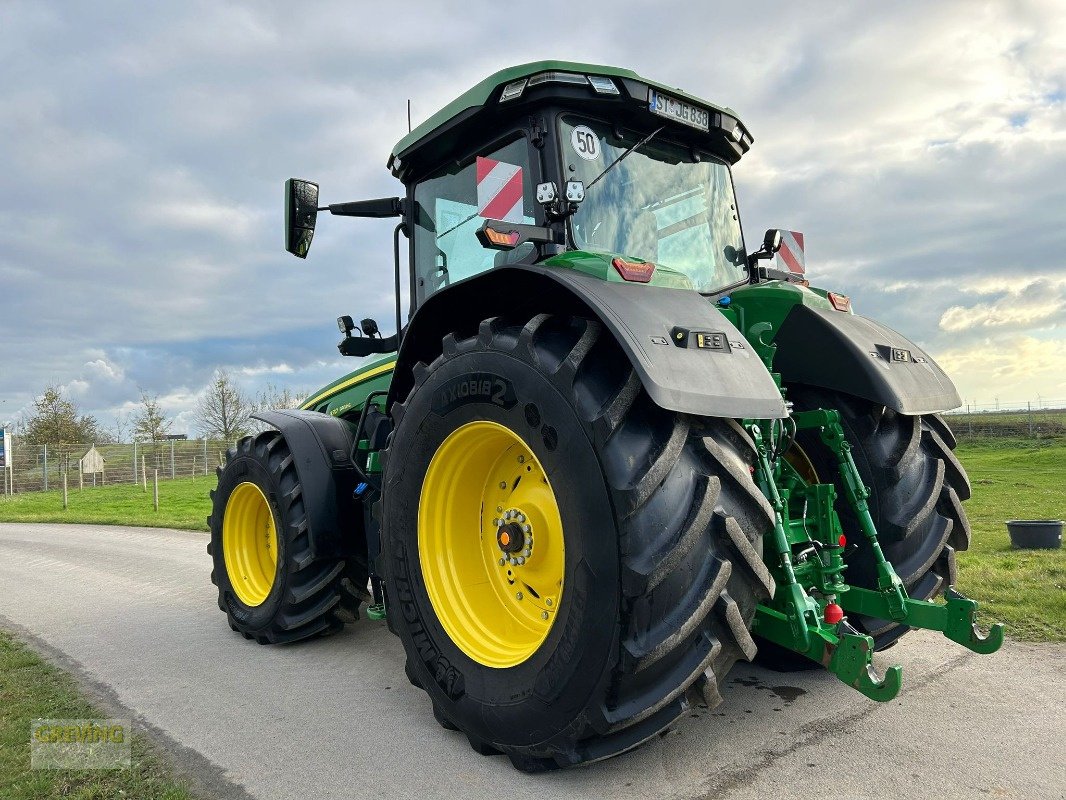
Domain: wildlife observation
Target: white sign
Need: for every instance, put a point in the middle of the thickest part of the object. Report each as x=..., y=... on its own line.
x=5, y=449
x=585, y=142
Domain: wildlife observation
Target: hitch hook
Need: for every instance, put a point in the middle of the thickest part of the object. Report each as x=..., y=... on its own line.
x=962, y=624
x=851, y=662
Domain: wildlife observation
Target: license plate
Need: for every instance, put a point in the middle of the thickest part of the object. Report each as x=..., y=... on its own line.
x=672, y=108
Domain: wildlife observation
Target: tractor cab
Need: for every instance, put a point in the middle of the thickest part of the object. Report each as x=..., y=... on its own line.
x=589, y=167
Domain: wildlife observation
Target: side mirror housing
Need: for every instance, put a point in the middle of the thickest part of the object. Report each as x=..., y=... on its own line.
x=301, y=212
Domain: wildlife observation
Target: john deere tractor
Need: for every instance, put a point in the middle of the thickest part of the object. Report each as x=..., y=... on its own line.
x=608, y=449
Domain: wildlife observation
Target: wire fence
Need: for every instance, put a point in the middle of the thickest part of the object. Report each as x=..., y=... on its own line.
x=1041, y=419
x=35, y=468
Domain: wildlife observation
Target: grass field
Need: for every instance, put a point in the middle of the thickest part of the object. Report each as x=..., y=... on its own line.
x=30, y=689
x=1026, y=589
x=183, y=503
x=1012, y=479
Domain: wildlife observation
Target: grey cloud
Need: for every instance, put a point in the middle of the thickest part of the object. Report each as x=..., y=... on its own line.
x=145, y=147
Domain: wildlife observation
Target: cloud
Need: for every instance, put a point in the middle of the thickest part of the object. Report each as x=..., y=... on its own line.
x=1038, y=302
x=920, y=150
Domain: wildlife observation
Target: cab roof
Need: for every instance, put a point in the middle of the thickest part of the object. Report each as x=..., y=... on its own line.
x=485, y=95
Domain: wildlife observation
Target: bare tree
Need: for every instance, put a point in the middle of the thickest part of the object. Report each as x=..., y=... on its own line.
x=150, y=423
x=272, y=398
x=120, y=431
x=223, y=411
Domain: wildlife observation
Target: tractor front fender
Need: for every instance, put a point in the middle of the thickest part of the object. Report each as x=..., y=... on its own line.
x=861, y=357
x=713, y=376
x=321, y=448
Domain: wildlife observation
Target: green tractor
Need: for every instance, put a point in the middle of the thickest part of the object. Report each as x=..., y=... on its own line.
x=611, y=450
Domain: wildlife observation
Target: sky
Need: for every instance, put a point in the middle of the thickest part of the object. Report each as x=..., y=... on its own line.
x=920, y=147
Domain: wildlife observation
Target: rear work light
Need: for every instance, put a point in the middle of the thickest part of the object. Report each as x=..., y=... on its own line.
x=603, y=85
x=557, y=77
x=636, y=271
x=841, y=302
x=513, y=90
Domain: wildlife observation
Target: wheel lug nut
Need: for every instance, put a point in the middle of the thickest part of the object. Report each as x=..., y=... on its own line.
x=549, y=601
x=521, y=517
x=503, y=561
x=527, y=553
x=521, y=560
x=526, y=528
x=495, y=522
x=518, y=596
x=543, y=614
x=514, y=562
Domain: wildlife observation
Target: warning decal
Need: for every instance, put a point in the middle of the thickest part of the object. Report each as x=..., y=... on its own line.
x=791, y=252
x=499, y=190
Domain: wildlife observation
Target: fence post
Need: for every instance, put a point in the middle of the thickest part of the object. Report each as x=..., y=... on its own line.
x=144, y=473
x=81, y=479
x=134, y=460
x=155, y=490
x=172, y=475
x=64, y=490
x=45, y=467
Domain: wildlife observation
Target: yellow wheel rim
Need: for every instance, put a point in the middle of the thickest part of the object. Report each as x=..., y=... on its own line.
x=250, y=544
x=490, y=542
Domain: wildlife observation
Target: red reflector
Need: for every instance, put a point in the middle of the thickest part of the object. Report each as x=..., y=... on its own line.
x=638, y=271
x=833, y=614
x=841, y=302
x=843, y=540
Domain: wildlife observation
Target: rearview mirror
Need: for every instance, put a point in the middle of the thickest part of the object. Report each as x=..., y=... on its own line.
x=301, y=211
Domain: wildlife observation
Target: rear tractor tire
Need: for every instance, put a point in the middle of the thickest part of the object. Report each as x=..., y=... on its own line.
x=568, y=565
x=917, y=487
x=270, y=587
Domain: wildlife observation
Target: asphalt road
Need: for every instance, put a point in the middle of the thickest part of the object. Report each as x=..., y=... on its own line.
x=131, y=611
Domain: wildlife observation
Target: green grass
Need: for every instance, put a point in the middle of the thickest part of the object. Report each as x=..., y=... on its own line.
x=183, y=503
x=31, y=688
x=1015, y=479
x=1012, y=479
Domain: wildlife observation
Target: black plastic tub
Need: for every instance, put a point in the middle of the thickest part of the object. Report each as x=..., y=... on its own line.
x=1035, y=534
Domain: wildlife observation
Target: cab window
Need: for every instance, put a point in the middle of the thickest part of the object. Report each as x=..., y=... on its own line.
x=452, y=203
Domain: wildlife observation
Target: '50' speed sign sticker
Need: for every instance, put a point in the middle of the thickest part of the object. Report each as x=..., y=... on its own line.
x=585, y=143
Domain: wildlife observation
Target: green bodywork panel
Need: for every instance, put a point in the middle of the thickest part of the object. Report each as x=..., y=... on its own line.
x=598, y=265
x=345, y=396
x=758, y=310
x=479, y=95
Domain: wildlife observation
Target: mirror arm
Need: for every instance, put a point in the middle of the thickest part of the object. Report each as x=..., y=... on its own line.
x=383, y=207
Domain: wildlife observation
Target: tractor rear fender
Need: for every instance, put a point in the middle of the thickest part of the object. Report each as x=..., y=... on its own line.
x=860, y=357
x=321, y=447
x=714, y=376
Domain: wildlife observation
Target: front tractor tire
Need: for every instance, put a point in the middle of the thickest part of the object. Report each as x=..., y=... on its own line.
x=269, y=584
x=568, y=565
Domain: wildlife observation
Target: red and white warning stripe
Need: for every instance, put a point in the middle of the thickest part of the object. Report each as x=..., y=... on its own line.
x=791, y=253
x=499, y=190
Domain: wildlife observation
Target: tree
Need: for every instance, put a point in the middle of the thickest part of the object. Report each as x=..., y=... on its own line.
x=57, y=421
x=150, y=423
x=223, y=411
x=272, y=398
